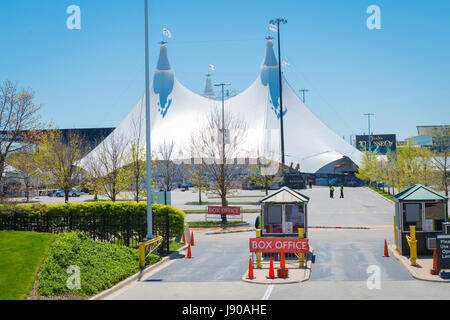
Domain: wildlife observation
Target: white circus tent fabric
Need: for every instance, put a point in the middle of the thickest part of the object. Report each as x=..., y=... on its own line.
x=177, y=113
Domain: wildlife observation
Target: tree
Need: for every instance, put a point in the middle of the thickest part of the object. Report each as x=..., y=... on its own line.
x=441, y=141
x=57, y=158
x=169, y=170
x=260, y=176
x=19, y=120
x=24, y=162
x=220, y=160
x=110, y=157
x=198, y=178
x=367, y=171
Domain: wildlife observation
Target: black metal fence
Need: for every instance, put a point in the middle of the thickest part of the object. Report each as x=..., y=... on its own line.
x=127, y=229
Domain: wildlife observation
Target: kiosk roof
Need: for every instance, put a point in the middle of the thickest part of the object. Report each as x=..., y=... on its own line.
x=419, y=192
x=285, y=195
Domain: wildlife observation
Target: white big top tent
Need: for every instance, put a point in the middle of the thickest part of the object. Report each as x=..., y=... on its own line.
x=177, y=114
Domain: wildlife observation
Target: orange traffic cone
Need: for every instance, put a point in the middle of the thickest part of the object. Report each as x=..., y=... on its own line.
x=189, y=255
x=435, y=270
x=183, y=240
x=271, y=270
x=282, y=262
x=250, y=270
x=386, y=251
x=192, y=239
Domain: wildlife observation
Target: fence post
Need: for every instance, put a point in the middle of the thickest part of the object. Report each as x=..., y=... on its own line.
x=167, y=230
x=128, y=228
x=70, y=221
x=15, y=221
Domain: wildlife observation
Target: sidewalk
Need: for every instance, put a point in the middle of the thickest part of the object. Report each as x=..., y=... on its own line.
x=422, y=270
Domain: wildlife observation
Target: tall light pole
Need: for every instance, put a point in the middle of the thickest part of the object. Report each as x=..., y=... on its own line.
x=277, y=22
x=368, y=116
x=304, y=97
x=223, y=217
x=147, y=132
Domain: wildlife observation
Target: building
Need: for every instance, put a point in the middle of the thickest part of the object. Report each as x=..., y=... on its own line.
x=177, y=113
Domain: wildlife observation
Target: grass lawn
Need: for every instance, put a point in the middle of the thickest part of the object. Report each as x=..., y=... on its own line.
x=383, y=193
x=21, y=255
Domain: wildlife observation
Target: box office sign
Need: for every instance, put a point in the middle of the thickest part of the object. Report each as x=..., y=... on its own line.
x=232, y=211
x=443, y=251
x=289, y=245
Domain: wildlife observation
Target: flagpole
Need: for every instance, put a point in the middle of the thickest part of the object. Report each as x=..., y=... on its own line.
x=277, y=22
x=147, y=132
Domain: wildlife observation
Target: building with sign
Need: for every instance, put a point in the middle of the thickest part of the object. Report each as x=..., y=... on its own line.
x=177, y=113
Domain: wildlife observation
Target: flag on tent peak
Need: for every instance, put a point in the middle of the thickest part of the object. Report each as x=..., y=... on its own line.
x=273, y=27
x=167, y=33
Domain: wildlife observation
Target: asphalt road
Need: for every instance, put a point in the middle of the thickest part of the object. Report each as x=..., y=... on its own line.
x=344, y=259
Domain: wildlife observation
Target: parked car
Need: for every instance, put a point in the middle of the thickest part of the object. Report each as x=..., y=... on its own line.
x=72, y=193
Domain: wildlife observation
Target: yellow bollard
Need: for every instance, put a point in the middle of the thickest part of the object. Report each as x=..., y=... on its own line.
x=258, y=254
x=301, y=256
x=141, y=255
x=413, y=246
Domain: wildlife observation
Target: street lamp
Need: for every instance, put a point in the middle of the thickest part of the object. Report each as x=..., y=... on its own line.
x=223, y=217
x=147, y=132
x=277, y=22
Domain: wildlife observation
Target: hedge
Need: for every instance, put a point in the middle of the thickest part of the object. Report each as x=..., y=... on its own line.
x=102, y=265
x=176, y=216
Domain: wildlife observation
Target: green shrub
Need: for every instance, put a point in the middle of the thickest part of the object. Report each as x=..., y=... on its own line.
x=102, y=265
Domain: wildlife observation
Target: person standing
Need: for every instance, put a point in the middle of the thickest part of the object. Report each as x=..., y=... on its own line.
x=331, y=191
x=342, y=191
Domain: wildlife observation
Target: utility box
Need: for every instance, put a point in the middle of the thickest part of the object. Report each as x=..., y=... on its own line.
x=425, y=209
x=283, y=213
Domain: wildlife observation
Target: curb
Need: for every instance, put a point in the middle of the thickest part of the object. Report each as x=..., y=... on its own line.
x=232, y=231
x=405, y=263
x=337, y=227
x=390, y=201
x=135, y=277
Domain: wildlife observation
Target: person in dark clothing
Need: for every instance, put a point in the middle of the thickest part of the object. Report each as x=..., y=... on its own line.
x=331, y=191
x=342, y=191
x=258, y=222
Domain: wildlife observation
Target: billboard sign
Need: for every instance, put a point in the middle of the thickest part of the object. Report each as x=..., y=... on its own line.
x=379, y=143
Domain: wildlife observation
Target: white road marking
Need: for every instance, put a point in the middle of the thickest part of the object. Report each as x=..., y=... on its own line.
x=268, y=292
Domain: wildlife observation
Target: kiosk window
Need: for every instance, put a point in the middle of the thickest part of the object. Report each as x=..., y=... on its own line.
x=434, y=212
x=412, y=216
x=273, y=219
x=295, y=218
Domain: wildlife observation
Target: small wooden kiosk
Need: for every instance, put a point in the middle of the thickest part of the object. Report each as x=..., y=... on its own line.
x=423, y=208
x=283, y=213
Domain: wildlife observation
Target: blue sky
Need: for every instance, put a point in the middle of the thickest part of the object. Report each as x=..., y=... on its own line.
x=94, y=76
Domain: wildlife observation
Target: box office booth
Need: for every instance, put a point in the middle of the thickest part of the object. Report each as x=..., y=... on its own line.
x=283, y=213
x=425, y=209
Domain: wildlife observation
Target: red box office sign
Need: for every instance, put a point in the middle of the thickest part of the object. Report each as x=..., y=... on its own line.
x=233, y=211
x=289, y=245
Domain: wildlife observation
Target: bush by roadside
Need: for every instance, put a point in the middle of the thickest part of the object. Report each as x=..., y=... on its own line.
x=101, y=265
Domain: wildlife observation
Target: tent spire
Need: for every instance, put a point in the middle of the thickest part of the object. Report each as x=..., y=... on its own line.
x=163, y=81
x=209, y=91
